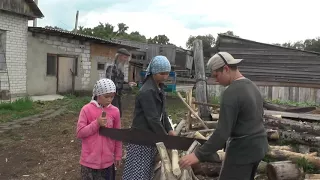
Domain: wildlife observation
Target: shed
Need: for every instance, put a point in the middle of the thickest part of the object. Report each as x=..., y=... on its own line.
x=270, y=63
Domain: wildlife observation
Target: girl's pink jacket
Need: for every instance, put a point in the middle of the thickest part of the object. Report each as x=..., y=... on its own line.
x=98, y=152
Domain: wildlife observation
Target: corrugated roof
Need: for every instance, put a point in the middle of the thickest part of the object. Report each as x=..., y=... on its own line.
x=272, y=45
x=69, y=34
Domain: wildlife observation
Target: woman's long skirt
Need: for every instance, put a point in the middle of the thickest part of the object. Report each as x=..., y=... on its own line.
x=97, y=174
x=140, y=162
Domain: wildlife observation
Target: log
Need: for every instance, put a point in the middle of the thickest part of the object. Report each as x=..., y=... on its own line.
x=189, y=120
x=207, y=169
x=190, y=109
x=214, y=116
x=287, y=148
x=206, y=104
x=284, y=170
x=286, y=124
x=200, y=131
x=312, y=176
x=197, y=135
x=201, y=84
x=276, y=107
x=273, y=134
x=165, y=160
x=262, y=167
x=302, y=116
x=181, y=124
x=175, y=163
x=293, y=156
x=304, y=139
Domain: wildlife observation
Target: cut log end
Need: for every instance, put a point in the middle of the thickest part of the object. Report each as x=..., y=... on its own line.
x=284, y=170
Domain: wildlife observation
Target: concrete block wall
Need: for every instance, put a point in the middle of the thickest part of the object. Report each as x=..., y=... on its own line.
x=72, y=47
x=16, y=28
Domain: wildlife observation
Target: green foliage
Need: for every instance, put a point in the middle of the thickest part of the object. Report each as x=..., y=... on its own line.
x=108, y=31
x=17, y=109
x=292, y=103
x=17, y=105
x=306, y=166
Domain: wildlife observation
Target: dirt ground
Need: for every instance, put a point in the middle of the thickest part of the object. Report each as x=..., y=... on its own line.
x=49, y=149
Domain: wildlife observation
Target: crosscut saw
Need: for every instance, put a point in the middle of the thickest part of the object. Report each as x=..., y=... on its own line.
x=141, y=137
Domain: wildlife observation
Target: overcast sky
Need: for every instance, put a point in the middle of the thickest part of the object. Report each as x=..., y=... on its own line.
x=267, y=21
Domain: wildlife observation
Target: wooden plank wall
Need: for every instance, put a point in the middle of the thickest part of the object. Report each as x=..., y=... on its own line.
x=17, y=6
x=294, y=94
x=263, y=62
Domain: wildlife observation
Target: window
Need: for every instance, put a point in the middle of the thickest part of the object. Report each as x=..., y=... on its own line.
x=2, y=61
x=100, y=66
x=51, y=65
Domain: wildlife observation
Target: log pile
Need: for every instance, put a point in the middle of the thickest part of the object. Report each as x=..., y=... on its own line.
x=291, y=125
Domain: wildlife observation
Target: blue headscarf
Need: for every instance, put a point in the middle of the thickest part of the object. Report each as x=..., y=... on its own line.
x=158, y=64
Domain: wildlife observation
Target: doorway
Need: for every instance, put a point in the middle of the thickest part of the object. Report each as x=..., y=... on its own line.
x=66, y=72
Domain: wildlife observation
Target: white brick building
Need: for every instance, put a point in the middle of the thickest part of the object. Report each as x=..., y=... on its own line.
x=13, y=44
x=62, y=62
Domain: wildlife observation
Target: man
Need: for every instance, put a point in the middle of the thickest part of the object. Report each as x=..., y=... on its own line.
x=115, y=72
x=240, y=124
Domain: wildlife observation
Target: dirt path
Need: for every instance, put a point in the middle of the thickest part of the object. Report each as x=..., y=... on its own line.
x=49, y=149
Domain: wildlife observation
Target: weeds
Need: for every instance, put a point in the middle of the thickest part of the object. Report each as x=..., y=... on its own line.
x=17, y=109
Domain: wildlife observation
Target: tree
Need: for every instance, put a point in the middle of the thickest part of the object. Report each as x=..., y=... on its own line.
x=159, y=39
x=107, y=31
x=208, y=43
x=230, y=33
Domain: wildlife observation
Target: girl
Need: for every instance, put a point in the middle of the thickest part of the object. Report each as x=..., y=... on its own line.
x=99, y=153
x=149, y=115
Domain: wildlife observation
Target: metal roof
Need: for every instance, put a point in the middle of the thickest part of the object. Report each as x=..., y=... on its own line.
x=271, y=45
x=34, y=7
x=69, y=34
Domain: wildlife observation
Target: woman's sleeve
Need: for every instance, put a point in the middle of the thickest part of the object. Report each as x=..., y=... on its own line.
x=147, y=101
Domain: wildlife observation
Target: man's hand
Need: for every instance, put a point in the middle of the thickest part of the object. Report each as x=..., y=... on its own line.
x=188, y=160
x=172, y=133
x=131, y=84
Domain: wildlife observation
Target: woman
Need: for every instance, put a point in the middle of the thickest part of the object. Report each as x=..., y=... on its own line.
x=149, y=115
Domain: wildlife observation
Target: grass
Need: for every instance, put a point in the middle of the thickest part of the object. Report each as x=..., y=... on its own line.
x=17, y=109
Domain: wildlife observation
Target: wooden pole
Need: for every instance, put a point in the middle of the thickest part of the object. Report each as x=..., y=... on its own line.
x=76, y=23
x=192, y=111
x=201, y=85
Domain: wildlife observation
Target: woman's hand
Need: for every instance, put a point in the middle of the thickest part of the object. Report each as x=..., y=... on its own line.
x=172, y=133
x=117, y=163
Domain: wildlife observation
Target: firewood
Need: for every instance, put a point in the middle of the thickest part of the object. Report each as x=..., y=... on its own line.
x=288, y=148
x=165, y=160
x=189, y=120
x=301, y=116
x=282, y=170
x=181, y=124
x=293, y=156
x=262, y=167
x=175, y=163
x=197, y=135
x=200, y=131
x=214, y=116
x=286, y=124
x=207, y=169
x=196, y=115
x=312, y=176
x=273, y=134
x=305, y=139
